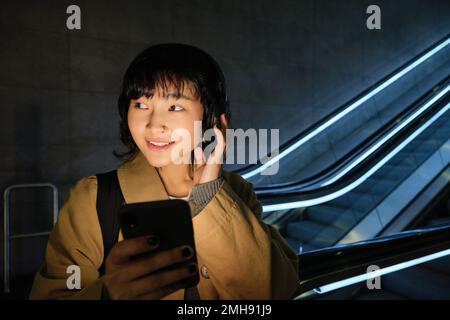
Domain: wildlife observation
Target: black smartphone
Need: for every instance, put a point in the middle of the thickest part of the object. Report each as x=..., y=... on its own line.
x=169, y=220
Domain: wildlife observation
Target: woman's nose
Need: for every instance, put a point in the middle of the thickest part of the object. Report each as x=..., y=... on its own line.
x=156, y=122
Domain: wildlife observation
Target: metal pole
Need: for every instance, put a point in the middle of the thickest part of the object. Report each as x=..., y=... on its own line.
x=6, y=263
x=6, y=219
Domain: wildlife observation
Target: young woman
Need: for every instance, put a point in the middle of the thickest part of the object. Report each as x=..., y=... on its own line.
x=168, y=88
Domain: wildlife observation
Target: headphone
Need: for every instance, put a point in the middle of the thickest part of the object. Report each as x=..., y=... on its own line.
x=224, y=106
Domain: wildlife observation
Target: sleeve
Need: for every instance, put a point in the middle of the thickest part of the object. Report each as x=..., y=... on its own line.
x=245, y=258
x=75, y=240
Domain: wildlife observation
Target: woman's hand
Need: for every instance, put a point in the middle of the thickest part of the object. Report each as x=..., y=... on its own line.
x=128, y=276
x=207, y=170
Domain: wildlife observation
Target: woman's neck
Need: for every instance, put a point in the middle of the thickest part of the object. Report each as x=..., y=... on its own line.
x=176, y=179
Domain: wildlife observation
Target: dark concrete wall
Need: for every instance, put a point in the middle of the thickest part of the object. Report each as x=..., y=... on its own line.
x=288, y=63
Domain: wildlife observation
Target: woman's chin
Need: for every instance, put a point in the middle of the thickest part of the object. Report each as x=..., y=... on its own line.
x=158, y=161
x=162, y=159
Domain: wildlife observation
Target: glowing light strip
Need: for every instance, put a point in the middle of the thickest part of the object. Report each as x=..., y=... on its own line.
x=382, y=141
x=364, y=177
x=350, y=108
x=380, y=272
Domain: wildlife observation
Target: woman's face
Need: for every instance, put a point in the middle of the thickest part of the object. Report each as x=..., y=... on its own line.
x=152, y=122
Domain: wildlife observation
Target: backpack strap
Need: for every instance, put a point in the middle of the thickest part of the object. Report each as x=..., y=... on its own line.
x=109, y=200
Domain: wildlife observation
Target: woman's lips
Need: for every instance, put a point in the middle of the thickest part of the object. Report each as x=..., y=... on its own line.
x=159, y=146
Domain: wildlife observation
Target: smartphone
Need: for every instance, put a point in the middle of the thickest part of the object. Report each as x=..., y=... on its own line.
x=169, y=220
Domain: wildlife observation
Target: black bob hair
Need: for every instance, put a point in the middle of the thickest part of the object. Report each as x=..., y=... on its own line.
x=179, y=65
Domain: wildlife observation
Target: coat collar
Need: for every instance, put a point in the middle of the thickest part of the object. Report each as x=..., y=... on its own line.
x=140, y=182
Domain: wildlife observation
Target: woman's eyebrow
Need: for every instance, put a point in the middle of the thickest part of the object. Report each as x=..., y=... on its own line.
x=177, y=95
x=173, y=95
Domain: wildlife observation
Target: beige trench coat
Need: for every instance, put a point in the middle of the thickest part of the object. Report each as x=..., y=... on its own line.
x=244, y=257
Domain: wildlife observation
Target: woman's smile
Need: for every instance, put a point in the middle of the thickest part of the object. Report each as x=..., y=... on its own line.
x=159, y=146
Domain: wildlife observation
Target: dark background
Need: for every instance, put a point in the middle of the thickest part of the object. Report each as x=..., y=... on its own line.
x=287, y=64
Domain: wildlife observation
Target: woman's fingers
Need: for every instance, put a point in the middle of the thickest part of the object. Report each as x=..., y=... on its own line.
x=217, y=155
x=156, y=282
x=199, y=156
x=210, y=168
x=124, y=250
x=150, y=275
x=153, y=263
x=199, y=164
x=157, y=295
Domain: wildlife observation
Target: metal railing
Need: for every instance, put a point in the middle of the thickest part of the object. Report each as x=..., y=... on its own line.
x=7, y=235
x=328, y=269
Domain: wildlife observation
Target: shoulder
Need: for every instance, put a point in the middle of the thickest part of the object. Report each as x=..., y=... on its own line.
x=237, y=183
x=78, y=222
x=80, y=204
x=244, y=190
x=84, y=189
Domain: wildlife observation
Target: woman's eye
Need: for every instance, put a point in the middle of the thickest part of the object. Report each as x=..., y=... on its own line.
x=140, y=105
x=175, y=107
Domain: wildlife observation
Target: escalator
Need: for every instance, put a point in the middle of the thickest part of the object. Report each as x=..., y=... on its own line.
x=421, y=280
x=336, y=137
x=429, y=280
x=385, y=203
x=325, y=208
x=364, y=211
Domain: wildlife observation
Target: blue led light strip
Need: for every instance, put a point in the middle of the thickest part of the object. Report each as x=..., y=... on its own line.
x=380, y=272
x=350, y=108
x=365, y=176
x=378, y=144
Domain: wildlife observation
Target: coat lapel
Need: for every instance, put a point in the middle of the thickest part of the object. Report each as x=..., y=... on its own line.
x=140, y=182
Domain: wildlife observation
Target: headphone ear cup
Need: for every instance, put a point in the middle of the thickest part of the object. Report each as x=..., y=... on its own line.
x=208, y=122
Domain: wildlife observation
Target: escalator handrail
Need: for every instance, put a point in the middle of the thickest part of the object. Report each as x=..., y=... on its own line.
x=273, y=200
x=353, y=154
x=243, y=171
x=324, y=266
